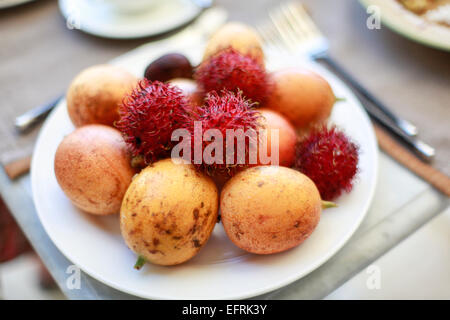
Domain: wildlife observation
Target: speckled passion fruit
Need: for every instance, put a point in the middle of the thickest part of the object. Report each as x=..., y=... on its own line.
x=95, y=94
x=269, y=209
x=92, y=167
x=168, y=213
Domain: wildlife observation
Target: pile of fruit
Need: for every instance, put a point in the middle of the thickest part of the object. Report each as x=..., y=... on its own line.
x=119, y=159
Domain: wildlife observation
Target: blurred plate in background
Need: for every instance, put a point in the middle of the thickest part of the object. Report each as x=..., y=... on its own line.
x=410, y=25
x=109, y=20
x=12, y=3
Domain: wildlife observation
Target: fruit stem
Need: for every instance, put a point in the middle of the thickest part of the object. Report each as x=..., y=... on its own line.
x=140, y=263
x=328, y=204
x=339, y=99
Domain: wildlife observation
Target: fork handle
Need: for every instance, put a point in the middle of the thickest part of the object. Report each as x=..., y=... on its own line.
x=407, y=127
x=420, y=148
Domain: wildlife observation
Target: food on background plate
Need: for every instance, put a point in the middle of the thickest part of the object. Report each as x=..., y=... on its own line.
x=417, y=6
x=168, y=213
x=287, y=136
x=238, y=36
x=95, y=94
x=269, y=209
x=92, y=167
x=169, y=66
x=439, y=15
x=302, y=96
x=330, y=158
x=231, y=70
x=436, y=11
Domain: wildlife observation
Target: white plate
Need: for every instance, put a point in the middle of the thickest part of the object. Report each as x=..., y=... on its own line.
x=220, y=270
x=94, y=17
x=410, y=25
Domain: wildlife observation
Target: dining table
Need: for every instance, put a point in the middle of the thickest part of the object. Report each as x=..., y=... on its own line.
x=39, y=55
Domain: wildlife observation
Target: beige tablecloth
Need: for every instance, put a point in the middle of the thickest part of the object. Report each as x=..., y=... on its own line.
x=39, y=56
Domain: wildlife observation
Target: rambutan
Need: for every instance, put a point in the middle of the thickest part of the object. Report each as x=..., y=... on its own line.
x=234, y=71
x=148, y=115
x=227, y=112
x=329, y=158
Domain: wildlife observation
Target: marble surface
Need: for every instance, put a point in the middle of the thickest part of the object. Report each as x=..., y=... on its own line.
x=19, y=280
x=418, y=268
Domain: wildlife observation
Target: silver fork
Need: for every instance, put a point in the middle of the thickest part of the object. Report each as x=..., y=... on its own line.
x=291, y=29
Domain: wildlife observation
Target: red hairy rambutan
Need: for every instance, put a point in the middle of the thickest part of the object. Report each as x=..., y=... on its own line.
x=148, y=115
x=228, y=111
x=234, y=71
x=329, y=158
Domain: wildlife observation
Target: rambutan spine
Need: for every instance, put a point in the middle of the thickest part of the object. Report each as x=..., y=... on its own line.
x=227, y=111
x=148, y=116
x=329, y=158
x=233, y=71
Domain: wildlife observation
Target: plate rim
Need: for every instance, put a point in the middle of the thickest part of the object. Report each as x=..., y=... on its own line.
x=245, y=294
x=13, y=3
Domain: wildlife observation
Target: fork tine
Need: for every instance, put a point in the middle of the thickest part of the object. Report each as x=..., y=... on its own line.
x=291, y=29
x=265, y=37
x=267, y=33
x=291, y=25
x=303, y=16
x=283, y=30
x=298, y=27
